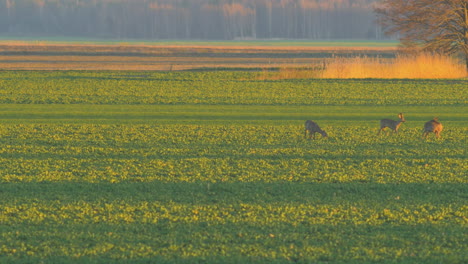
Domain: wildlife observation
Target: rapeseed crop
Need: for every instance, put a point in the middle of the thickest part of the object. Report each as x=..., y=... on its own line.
x=214, y=167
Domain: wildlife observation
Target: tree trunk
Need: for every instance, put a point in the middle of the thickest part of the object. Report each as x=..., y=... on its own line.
x=466, y=63
x=465, y=49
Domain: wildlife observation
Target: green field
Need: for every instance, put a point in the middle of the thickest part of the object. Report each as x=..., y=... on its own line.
x=188, y=167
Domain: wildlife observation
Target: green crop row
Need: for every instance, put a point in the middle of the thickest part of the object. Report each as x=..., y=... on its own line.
x=240, y=222
x=226, y=153
x=230, y=88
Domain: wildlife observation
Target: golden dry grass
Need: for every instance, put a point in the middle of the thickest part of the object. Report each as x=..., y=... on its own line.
x=420, y=66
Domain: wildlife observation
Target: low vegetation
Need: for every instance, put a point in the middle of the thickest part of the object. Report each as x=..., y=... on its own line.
x=188, y=167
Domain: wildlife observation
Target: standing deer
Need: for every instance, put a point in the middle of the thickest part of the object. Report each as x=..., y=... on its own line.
x=392, y=124
x=313, y=128
x=432, y=126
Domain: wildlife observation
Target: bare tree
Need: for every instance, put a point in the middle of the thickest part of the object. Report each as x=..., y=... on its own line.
x=435, y=25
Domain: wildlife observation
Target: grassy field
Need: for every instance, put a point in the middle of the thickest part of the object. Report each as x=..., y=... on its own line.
x=187, y=167
x=75, y=54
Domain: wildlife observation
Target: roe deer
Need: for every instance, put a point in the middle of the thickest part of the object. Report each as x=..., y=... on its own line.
x=432, y=126
x=313, y=128
x=392, y=124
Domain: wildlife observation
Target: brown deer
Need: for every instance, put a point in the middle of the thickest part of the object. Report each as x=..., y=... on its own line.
x=392, y=124
x=432, y=126
x=313, y=128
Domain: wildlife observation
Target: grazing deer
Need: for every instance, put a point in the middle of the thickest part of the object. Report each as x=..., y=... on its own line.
x=392, y=124
x=313, y=128
x=432, y=126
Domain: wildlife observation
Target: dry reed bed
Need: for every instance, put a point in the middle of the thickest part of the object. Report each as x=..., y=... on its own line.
x=416, y=66
x=419, y=66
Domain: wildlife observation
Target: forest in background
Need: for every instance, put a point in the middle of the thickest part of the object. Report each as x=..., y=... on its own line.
x=191, y=19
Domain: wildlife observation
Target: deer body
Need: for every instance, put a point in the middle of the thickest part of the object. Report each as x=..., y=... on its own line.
x=392, y=124
x=313, y=128
x=433, y=126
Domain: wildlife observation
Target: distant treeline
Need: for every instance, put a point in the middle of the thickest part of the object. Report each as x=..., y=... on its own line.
x=191, y=19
